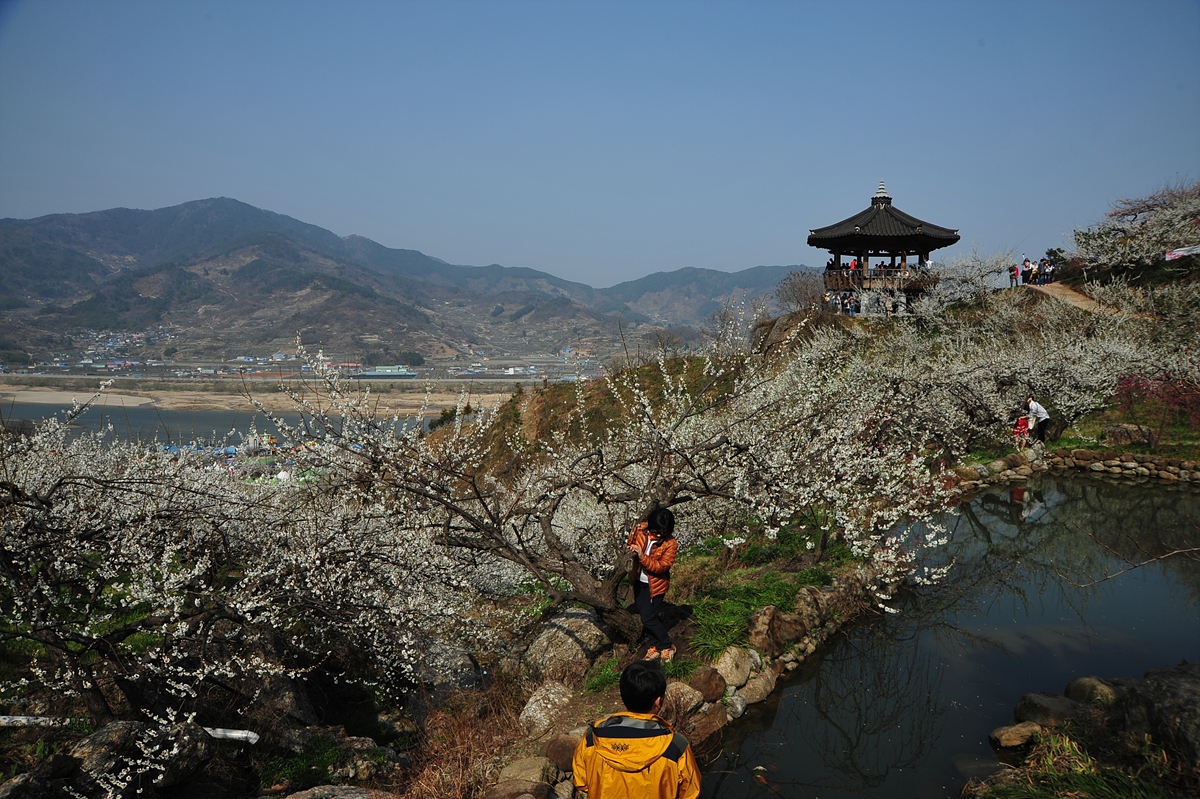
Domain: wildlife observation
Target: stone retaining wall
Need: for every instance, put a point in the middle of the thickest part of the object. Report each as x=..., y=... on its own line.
x=1109, y=464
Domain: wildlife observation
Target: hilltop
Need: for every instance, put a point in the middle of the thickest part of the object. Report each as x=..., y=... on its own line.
x=228, y=278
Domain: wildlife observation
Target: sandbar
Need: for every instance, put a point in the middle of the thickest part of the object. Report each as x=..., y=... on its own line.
x=270, y=399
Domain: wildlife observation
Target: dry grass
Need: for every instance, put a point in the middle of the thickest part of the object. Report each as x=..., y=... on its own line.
x=457, y=756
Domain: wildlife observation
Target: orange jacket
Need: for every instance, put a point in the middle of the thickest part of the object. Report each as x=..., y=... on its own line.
x=658, y=563
x=635, y=756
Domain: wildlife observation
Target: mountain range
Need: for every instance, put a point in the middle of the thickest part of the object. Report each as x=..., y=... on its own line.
x=227, y=278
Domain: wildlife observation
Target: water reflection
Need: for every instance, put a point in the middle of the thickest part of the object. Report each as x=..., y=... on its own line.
x=902, y=705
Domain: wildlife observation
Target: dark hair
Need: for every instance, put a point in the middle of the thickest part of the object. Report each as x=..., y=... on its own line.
x=661, y=521
x=642, y=682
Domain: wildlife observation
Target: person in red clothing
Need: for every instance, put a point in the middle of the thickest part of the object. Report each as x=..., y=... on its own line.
x=654, y=548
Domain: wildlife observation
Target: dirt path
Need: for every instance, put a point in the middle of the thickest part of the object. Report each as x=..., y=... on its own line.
x=1069, y=295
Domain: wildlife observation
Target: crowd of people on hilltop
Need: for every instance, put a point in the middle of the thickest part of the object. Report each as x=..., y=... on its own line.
x=845, y=302
x=1031, y=273
x=882, y=268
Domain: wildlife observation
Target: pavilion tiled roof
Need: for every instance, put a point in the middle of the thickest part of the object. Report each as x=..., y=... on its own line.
x=880, y=226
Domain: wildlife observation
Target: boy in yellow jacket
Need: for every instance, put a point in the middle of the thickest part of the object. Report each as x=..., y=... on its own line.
x=636, y=755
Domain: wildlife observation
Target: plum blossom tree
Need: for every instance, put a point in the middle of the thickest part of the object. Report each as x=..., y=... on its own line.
x=1140, y=231
x=139, y=582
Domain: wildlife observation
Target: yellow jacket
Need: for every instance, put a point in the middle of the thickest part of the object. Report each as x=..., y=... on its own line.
x=635, y=756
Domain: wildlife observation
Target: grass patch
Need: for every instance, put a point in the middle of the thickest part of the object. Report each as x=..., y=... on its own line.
x=313, y=766
x=681, y=669
x=603, y=675
x=1089, y=762
x=723, y=612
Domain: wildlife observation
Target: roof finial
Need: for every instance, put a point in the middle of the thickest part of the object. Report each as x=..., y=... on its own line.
x=882, y=191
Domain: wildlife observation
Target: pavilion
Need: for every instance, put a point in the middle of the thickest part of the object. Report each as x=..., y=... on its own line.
x=881, y=231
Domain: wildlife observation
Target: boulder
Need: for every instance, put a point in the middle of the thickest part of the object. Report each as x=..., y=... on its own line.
x=543, y=707
x=1083, y=454
x=531, y=769
x=736, y=706
x=1124, y=434
x=30, y=786
x=1092, y=690
x=759, y=688
x=771, y=630
x=104, y=751
x=996, y=467
x=564, y=790
x=709, y=682
x=514, y=789
x=561, y=750
x=190, y=747
x=734, y=665
x=181, y=751
x=332, y=792
x=1169, y=701
x=704, y=727
x=681, y=700
x=1047, y=709
x=566, y=646
x=1015, y=735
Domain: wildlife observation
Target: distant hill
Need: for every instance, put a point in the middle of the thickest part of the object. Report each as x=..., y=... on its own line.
x=226, y=276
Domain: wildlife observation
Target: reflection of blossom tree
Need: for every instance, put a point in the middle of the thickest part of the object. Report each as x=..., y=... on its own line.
x=876, y=712
x=880, y=709
x=1087, y=527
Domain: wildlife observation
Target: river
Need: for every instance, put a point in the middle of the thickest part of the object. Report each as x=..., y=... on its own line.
x=148, y=422
x=902, y=705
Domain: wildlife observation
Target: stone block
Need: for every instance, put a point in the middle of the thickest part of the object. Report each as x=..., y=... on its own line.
x=681, y=701
x=1047, y=709
x=734, y=665
x=531, y=769
x=543, y=708
x=759, y=688
x=1015, y=735
x=1089, y=690
x=566, y=646
x=709, y=682
x=561, y=750
x=706, y=724
x=514, y=789
x=332, y=792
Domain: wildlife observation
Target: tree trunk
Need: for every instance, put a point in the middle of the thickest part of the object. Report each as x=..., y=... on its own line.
x=626, y=627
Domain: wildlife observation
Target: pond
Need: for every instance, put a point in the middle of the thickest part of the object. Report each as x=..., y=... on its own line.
x=902, y=705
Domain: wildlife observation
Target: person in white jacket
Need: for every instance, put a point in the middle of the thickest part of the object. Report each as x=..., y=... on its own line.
x=1039, y=419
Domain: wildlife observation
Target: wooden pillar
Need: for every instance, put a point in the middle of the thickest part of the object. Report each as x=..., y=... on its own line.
x=837, y=260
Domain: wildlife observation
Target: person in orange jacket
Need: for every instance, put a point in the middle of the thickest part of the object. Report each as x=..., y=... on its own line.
x=654, y=546
x=636, y=754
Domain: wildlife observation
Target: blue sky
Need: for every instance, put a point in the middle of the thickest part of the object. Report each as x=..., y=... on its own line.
x=603, y=141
